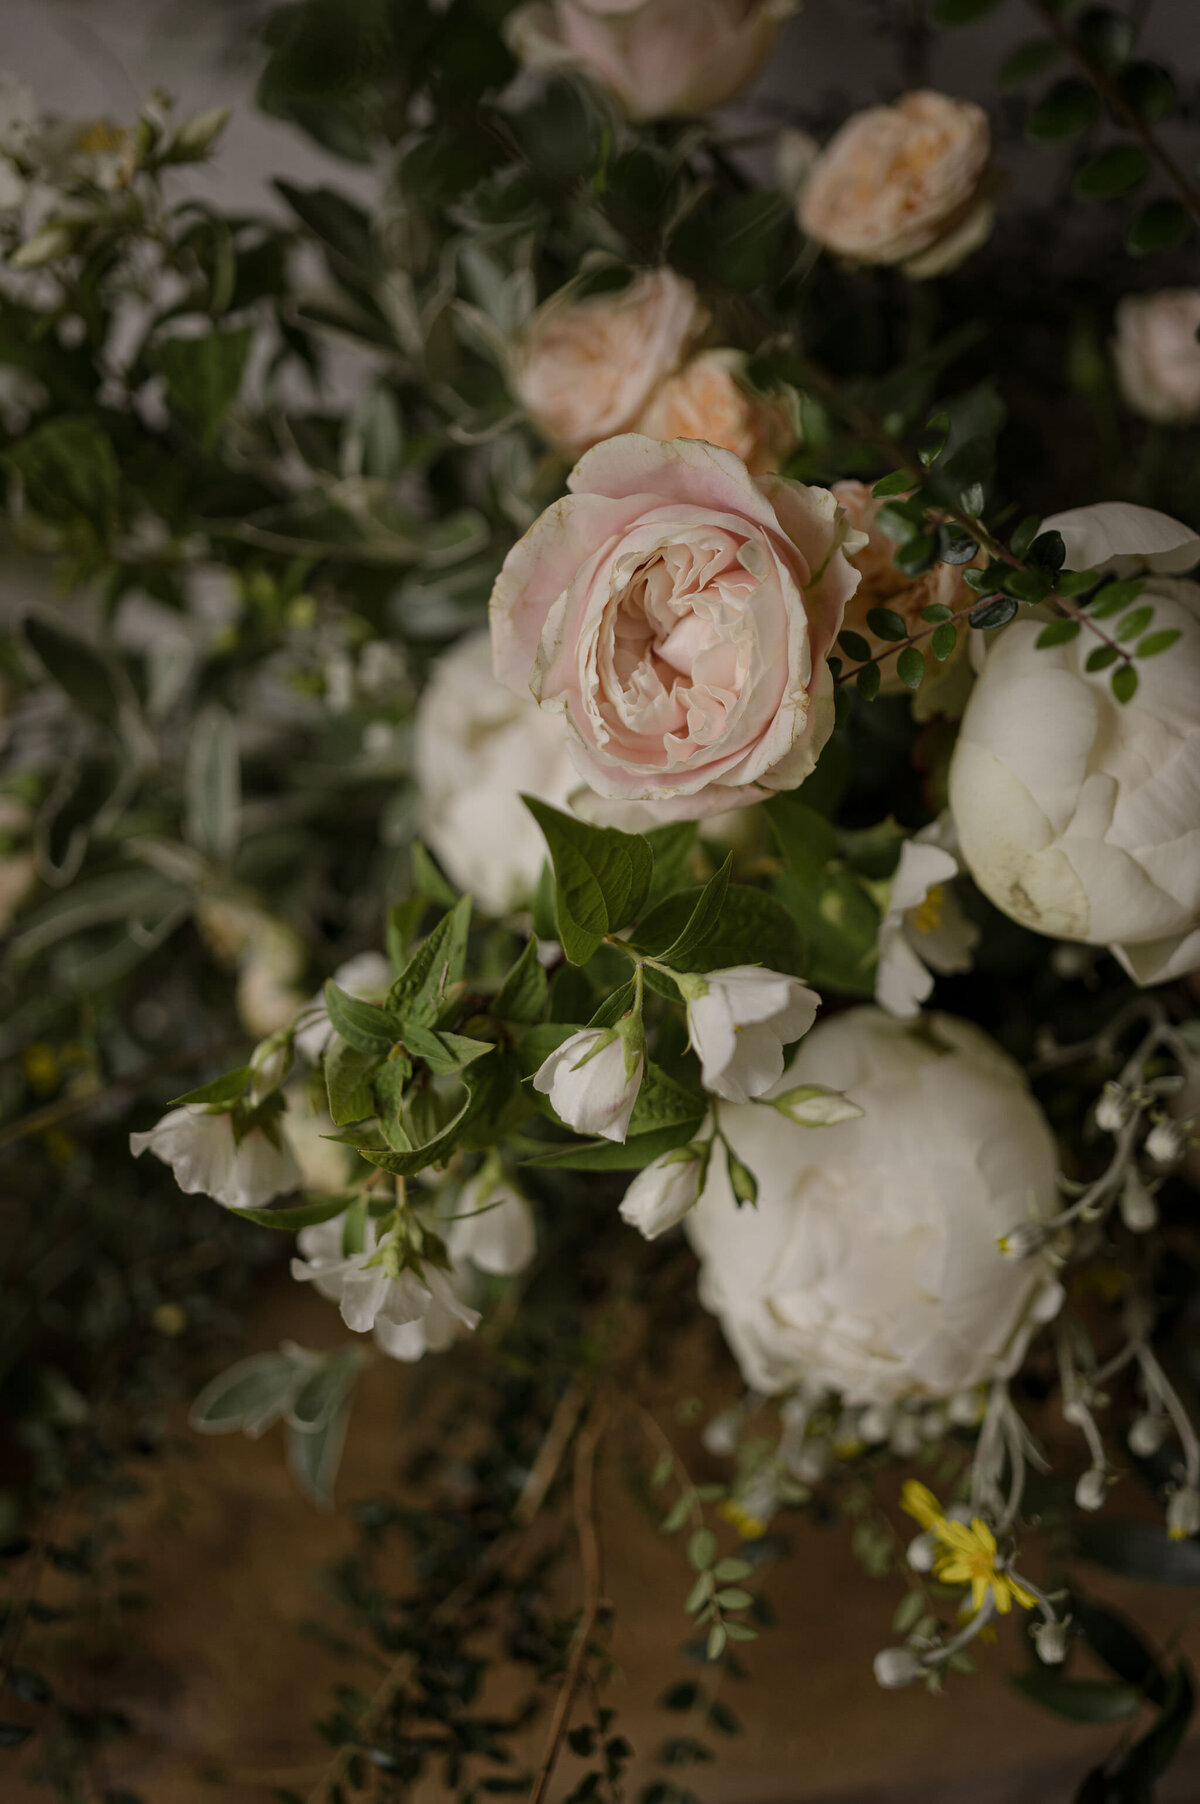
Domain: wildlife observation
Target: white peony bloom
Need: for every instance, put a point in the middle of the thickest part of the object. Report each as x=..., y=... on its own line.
x=206, y=1156
x=367, y=977
x=493, y=1229
x=1077, y=815
x=740, y=1020
x=1123, y=540
x=409, y=1315
x=478, y=747
x=870, y=1264
x=593, y=1082
x=924, y=929
x=662, y=1194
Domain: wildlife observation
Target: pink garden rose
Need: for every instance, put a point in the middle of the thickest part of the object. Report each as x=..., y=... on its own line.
x=679, y=613
x=661, y=58
x=707, y=399
x=584, y=370
x=1157, y=354
x=904, y=184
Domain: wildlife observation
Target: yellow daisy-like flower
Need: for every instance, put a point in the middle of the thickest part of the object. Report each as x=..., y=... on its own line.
x=970, y=1556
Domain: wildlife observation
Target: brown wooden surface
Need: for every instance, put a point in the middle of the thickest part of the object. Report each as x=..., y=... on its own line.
x=220, y=1679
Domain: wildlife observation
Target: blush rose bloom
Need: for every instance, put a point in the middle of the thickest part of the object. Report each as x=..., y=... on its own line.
x=904, y=184
x=478, y=747
x=708, y=399
x=884, y=586
x=871, y=1262
x=585, y=369
x=678, y=612
x=1157, y=354
x=660, y=58
x=1077, y=815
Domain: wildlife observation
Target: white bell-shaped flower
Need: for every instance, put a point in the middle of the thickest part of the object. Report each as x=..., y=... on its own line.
x=740, y=1019
x=207, y=1156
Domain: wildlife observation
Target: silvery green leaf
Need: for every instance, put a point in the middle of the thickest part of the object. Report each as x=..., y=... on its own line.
x=250, y=1395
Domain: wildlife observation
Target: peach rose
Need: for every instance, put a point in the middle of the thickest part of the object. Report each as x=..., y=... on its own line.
x=883, y=586
x=661, y=58
x=584, y=370
x=708, y=400
x=904, y=184
x=1157, y=354
x=679, y=613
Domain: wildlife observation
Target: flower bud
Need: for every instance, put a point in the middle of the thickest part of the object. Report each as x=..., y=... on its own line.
x=270, y=1063
x=661, y=1195
x=1165, y=1142
x=1139, y=1211
x=922, y=1551
x=1023, y=1241
x=1147, y=1435
x=1050, y=1640
x=897, y=1666
x=1092, y=1489
x=1113, y=1109
x=592, y=1082
x=198, y=134
x=1183, y=1513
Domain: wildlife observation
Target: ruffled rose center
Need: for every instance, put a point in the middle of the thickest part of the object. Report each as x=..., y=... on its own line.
x=674, y=649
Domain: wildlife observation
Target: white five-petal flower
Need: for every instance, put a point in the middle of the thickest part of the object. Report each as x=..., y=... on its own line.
x=592, y=1081
x=924, y=929
x=206, y=1156
x=409, y=1315
x=740, y=1020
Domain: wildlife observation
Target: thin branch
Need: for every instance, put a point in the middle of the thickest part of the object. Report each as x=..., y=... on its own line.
x=593, y=1597
x=1120, y=108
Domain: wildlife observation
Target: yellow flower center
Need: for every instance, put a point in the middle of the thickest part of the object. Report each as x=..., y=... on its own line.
x=926, y=917
x=101, y=136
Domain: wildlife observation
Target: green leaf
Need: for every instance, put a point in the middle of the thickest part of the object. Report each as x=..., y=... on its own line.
x=1106, y=37
x=897, y=483
x=428, y=880
x=732, y=1598
x=302, y=1215
x=1058, y=632
x=742, y=1180
x=1113, y=597
x=1119, y=1644
x=444, y=1053
x=1124, y=683
x=1047, y=551
x=753, y=928
x=227, y=1089
x=1102, y=657
x=867, y=682
x=855, y=646
x=662, y=1103
x=363, y=1025
x=672, y=848
x=702, y=921
x=1075, y=582
x=1112, y=172
x=637, y=1151
x=1148, y=1759
x=69, y=470
x=910, y=667
x=82, y=673
x=1066, y=109
x=1028, y=60
x=1149, y=90
x=954, y=546
x=1029, y=585
x=419, y=992
x=342, y=227
x=252, y=1394
x=602, y=878
x=348, y=1074
x=993, y=613
x=1135, y=622
x=203, y=376
x=732, y=1571
x=885, y=623
x=314, y=1456
x=1142, y=1551
x=737, y=242
x=944, y=640
x=1159, y=226
x=936, y=613
x=701, y=1549
x=522, y=995
x=1153, y=643
x=1078, y=1700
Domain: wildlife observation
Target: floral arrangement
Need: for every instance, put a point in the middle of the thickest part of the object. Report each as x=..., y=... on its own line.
x=606, y=698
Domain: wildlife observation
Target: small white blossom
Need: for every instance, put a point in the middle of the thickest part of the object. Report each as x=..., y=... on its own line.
x=494, y=1228
x=661, y=1195
x=1147, y=1434
x=924, y=929
x=897, y=1666
x=1183, y=1513
x=922, y=1552
x=1165, y=1142
x=409, y=1315
x=1139, y=1211
x=1092, y=1489
x=1113, y=1109
x=206, y=1156
x=1050, y=1640
x=740, y=1020
x=1023, y=1241
x=592, y=1081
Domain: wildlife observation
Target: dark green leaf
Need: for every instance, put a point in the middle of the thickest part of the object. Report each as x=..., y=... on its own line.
x=703, y=919
x=1027, y=61
x=203, y=376
x=1124, y=683
x=1114, y=596
x=955, y=546
x=855, y=646
x=1138, y=1550
x=1149, y=1758
x=1112, y=172
x=304, y=1215
x=1058, y=632
x=1102, y=657
x=944, y=640
x=867, y=682
x=363, y=1025
x=1135, y=622
x=910, y=666
x=342, y=227
x=1047, y=552
x=348, y=1074
x=14, y=1735
x=419, y=992
x=522, y=995
x=1066, y=109
x=601, y=878
x=1120, y=1645
x=1153, y=643
x=1105, y=36
x=1024, y=535
x=638, y=1150
x=81, y=672
x=1149, y=90
x=897, y=483
x=1078, y=1700
x=885, y=623
x=1159, y=226
x=753, y=927
x=227, y=1089
x=68, y=468
x=996, y=612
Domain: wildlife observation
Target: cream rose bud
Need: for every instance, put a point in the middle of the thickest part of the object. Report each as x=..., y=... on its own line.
x=740, y=1020
x=678, y=613
x=1077, y=815
x=904, y=184
x=1157, y=354
x=584, y=369
x=207, y=1157
x=661, y=1195
x=708, y=400
x=478, y=748
x=593, y=1080
x=870, y=1264
x=661, y=58
x=884, y=586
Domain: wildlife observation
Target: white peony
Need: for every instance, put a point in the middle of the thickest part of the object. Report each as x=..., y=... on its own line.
x=478, y=747
x=924, y=928
x=1077, y=815
x=740, y=1020
x=206, y=1156
x=871, y=1262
